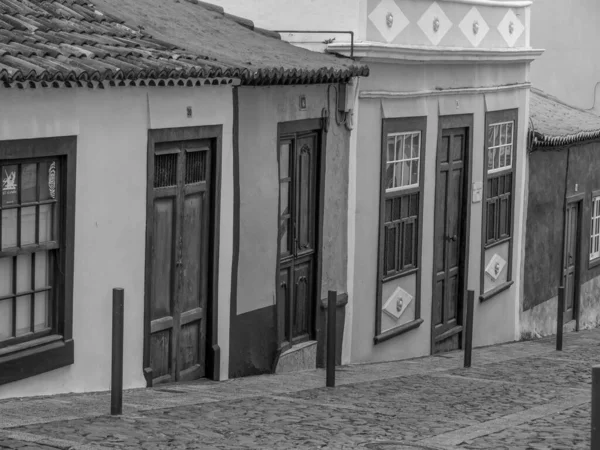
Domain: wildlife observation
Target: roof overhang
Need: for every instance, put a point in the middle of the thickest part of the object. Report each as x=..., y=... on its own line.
x=418, y=54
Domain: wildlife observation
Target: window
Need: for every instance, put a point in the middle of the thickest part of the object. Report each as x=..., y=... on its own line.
x=500, y=138
x=35, y=266
x=403, y=146
x=498, y=184
x=595, y=229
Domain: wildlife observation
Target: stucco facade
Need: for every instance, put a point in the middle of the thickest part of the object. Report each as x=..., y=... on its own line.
x=111, y=127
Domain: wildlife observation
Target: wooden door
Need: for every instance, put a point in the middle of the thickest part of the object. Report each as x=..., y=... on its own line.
x=450, y=239
x=571, y=260
x=298, y=154
x=178, y=260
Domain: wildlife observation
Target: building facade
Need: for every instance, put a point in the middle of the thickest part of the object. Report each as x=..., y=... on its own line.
x=440, y=174
x=154, y=163
x=563, y=220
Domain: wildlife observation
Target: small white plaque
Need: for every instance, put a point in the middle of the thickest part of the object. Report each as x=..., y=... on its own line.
x=495, y=266
x=477, y=191
x=397, y=303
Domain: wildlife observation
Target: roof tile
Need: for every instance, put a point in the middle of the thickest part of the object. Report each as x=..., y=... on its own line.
x=58, y=40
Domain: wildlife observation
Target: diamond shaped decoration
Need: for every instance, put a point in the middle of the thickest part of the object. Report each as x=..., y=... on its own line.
x=511, y=28
x=474, y=27
x=434, y=23
x=397, y=303
x=495, y=266
x=389, y=19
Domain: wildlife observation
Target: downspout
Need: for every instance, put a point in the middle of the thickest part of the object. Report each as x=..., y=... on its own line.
x=564, y=210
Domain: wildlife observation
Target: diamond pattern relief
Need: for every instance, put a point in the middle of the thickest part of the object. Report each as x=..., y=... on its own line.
x=511, y=28
x=389, y=19
x=474, y=27
x=434, y=23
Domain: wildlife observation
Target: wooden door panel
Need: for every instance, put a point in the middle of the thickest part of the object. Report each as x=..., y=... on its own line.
x=162, y=258
x=179, y=262
x=285, y=296
x=302, y=300
x=449, y=240
x=306, y=186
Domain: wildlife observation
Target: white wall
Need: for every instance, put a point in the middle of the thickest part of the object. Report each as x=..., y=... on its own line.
x=110, y=222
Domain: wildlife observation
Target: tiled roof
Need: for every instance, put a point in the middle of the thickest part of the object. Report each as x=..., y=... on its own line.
x=554, y=123
x=123, y=42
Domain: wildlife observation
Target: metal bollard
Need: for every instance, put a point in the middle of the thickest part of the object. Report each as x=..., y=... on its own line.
x=331, y=310
x=469, y=328
x=595, y=407
x=559, y=318
x=116, y=380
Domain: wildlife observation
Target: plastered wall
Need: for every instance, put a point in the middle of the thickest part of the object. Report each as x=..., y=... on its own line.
x=110, y=222
x=495, y=319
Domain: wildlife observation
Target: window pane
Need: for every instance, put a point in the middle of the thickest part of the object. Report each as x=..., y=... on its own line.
x=284, y=198
x=406, y=168
x=501, y=157
x=6, y=319
x=490, y=138
x=6, y=276
x=28, y=183
x=490, y=158
x=9, y=228
x=496, y=135
x=23, y=315
x=10, y=184
x=48, y=178
x=496, y=158
x=41, y=269
x=397, y=174
x=503, y=134
x=407, y=147
x=508, y=155
x=509, y=133
x=391, y=148
x=23, y=273
x=416, y=145
x=491, y=222
x=408, y=245
x=28, y=225
x=41, y=311
x=414, y=176
x=284, y=160
x=46, y=222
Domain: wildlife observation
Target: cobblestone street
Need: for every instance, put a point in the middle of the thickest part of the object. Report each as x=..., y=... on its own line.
x=516, y=396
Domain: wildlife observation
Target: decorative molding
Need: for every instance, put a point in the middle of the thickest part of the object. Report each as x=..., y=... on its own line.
x=443, y=91
x=392, y=53
x=496, y=3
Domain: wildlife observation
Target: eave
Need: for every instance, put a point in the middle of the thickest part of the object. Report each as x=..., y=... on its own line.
x=419, y=54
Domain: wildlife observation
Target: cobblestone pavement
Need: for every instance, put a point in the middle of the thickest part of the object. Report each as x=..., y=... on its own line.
x=516, y=396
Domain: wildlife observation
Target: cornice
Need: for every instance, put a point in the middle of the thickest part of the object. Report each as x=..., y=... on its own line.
x=496, y=3
x=394, y=53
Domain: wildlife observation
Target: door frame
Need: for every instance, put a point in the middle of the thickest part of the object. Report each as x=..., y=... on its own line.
x=214, y=132
x=569, y=200
x=447, y=122
x=283, y=128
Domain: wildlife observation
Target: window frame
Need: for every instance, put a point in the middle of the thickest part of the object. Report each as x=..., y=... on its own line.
x=55, y=349
x=399, y=126
x=593, y=262
x=494, y=118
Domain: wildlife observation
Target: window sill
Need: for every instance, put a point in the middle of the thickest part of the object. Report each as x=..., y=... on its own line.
x=491, y=294
x=594, y=263
x=389, y=334
x=35, y=357
x=496, y=243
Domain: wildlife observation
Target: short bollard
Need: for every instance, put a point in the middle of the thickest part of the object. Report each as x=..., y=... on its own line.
x=116, y=379
x=331, y=310
x=595, y=407
x=559, y=318
x=469, y=328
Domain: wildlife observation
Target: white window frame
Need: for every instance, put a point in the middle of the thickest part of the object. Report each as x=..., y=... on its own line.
x=507, y=144
x=403, y=160
x=595, y=229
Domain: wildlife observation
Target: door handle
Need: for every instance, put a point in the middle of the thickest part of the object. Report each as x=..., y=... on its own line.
x=452, y=238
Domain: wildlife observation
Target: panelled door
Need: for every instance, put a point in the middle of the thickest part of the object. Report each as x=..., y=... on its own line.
x=298, y=155
x=450, y=238
x=571, y=260
x=178, y=260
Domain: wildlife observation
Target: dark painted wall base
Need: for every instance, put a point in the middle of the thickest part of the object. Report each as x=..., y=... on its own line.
x=253, y=342
x=342, y=301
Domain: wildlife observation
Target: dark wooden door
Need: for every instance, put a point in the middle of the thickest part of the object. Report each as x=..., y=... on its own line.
x=298, y=154
x=450, y=236
x=571, y=260
x=179, y=269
